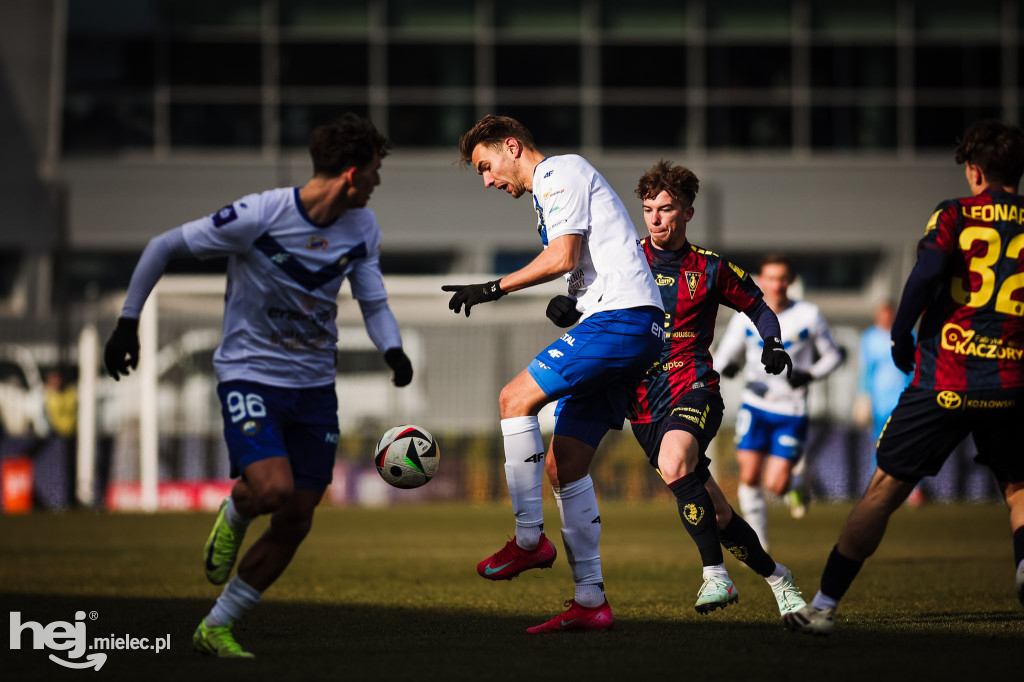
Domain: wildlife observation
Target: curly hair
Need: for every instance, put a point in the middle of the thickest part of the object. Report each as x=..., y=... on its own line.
x=348, y=141
x=679, y=181
x=493, y=130
x=995, y=147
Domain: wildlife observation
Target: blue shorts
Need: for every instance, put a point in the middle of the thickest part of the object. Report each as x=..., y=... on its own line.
x=781, y=435
x=594, y=369
x=301, y=424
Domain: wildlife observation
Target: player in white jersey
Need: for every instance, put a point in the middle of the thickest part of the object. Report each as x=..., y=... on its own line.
x=592, y=370
x=771, y=426
x=288, y=250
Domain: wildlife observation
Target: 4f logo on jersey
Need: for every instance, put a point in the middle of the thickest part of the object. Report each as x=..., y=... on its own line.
x=555, y=353
x=224, y=216
x=535, y=459
x=692, y=280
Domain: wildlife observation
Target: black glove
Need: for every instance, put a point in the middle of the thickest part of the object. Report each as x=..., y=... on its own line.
x=903, y=353
x=122, y=349
x=471, y=294
x=562, y=311
x=775, y=358
x=800, y=378
x=731, y=370
x=400, y=364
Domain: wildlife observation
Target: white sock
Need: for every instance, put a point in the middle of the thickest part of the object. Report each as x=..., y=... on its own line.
x=754, y=510
x=581, y=531
x=236, y=521
x=822, y=601
x=717, y=571
x=589, y=595
x=235, y=601
x=777, y=575
x=524, y=474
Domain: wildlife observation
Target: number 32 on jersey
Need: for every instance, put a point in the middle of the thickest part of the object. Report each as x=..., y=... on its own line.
x=982, y=264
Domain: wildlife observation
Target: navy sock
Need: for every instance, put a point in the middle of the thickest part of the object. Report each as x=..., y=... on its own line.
x=839, y=574
x=1018, y=546
x=698, y=514
x=741, y=541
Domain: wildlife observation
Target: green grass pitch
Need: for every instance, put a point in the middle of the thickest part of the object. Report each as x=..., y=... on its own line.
x=392, y=594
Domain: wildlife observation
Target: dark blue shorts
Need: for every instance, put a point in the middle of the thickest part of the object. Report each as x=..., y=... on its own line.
x=698, y=412
x=927, y=425
x=595, y=367
x=301, y=424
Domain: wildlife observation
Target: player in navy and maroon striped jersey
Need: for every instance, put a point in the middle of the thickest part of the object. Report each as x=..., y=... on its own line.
x=969, y=377
x=677, y=408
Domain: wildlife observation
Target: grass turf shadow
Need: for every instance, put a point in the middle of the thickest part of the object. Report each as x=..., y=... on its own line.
x=358, y=642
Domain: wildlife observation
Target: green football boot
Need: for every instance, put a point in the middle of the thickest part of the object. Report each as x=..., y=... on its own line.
x=217, y=642
x=221, y=548
x=715, y=593
x=787, y=594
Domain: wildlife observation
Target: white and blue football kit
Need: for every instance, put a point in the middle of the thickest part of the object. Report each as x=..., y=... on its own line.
x=593, y=369
x=773, y=417
x=276, y=360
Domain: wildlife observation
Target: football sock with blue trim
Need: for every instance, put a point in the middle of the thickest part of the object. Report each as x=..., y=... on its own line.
x=524, y=474
x=581, y=533
x=698, y=514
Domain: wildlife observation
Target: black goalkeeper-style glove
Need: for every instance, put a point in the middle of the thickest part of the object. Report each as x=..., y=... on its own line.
x=775, y=358
x=562, y=311
x=122, y=349
x=470, y=294
x=731, y=370
x=800, y=378
x=903, y=353
x=400, y=364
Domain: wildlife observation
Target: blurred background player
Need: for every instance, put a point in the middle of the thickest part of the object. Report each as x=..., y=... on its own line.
x=289, y=250
x=677, y=408
x=881, y=381
x=592, y=371
x=771, y=425
x=968, y=362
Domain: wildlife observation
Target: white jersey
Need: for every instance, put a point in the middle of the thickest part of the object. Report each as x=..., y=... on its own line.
x=571, y=197
x=284, y=274
x=805, y=335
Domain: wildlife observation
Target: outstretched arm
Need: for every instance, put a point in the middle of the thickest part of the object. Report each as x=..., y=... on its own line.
x=561, y=256
x=122, y=349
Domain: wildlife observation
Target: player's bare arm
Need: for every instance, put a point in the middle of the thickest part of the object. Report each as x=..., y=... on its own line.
x=560, y=258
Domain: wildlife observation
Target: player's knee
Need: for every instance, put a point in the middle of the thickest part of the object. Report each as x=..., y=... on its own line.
x=274, y=496
x=510, y=403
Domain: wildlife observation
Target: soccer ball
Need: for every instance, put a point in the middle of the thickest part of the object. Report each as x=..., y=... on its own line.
x=407, y=456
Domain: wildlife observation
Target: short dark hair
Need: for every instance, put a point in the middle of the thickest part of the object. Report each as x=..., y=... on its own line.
x=678, y=181
x=493, y=130
x=775, y=258
x=348, y=141
x=997, y=148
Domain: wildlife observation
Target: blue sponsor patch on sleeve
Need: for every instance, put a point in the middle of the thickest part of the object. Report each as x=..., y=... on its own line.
x=224, y=216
